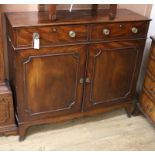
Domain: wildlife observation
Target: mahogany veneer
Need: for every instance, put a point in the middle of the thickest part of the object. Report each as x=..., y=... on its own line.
x=85, y=65
x=147, y=96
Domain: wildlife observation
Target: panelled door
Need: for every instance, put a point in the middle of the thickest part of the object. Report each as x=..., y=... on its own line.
x=50, y=81
x=112, y=72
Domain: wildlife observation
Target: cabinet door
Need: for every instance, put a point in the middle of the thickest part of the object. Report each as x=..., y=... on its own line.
x=112, y=72
x=48, y=81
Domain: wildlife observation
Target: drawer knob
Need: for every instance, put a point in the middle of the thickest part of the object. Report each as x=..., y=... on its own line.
x=134, y=30
x=106, y=32
x=72, y=34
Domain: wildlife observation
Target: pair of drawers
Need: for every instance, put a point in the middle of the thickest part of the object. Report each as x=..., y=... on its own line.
x=79, y=33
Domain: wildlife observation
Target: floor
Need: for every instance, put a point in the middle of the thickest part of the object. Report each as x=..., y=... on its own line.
x=110, y=131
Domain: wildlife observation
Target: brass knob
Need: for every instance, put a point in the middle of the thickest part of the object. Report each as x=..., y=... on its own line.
x=81, y=80
x=134, y=30
x=72, y=34
x=106, y=32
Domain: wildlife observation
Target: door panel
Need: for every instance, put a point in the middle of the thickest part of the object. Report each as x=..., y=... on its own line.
x=51, y=80
x=58, y=80
x=111, y=71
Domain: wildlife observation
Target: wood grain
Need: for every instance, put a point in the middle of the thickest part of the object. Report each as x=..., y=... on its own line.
x=119, y=62
x=62, y=81
x=51, y=35
x=118, y=30
x=147, y=97
x=19, y=19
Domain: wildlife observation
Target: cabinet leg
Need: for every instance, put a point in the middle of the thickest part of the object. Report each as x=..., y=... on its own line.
x=22, y=133
x=128, y=110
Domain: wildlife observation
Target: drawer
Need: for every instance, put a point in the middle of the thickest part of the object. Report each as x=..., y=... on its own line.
x=118, y=30
x=149, y=84
x=152, y=49
x=148, y=106
x=151, y=64
x=51, y=34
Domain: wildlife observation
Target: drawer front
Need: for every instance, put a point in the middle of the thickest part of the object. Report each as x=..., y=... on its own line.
x=152, y=49
x=52, y=34
x=149, y=84
x=118, y=30
x=151, y=65
x=148, y=106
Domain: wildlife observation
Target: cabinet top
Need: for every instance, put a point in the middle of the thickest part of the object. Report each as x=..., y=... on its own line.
x=24, y=19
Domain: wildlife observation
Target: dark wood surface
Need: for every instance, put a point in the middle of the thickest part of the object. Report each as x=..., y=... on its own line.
x=147, y=97
x=24, y=19
x=72, y=77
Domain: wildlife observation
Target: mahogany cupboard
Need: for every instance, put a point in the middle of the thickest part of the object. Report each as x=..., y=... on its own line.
x=76, y=66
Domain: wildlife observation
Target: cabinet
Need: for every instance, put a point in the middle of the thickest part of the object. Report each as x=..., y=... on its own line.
x=7, y=121
x=84, y=65
x=147, y=96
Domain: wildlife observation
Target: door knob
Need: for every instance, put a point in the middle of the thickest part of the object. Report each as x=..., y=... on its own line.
x=81, y=80
x=87, y=80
